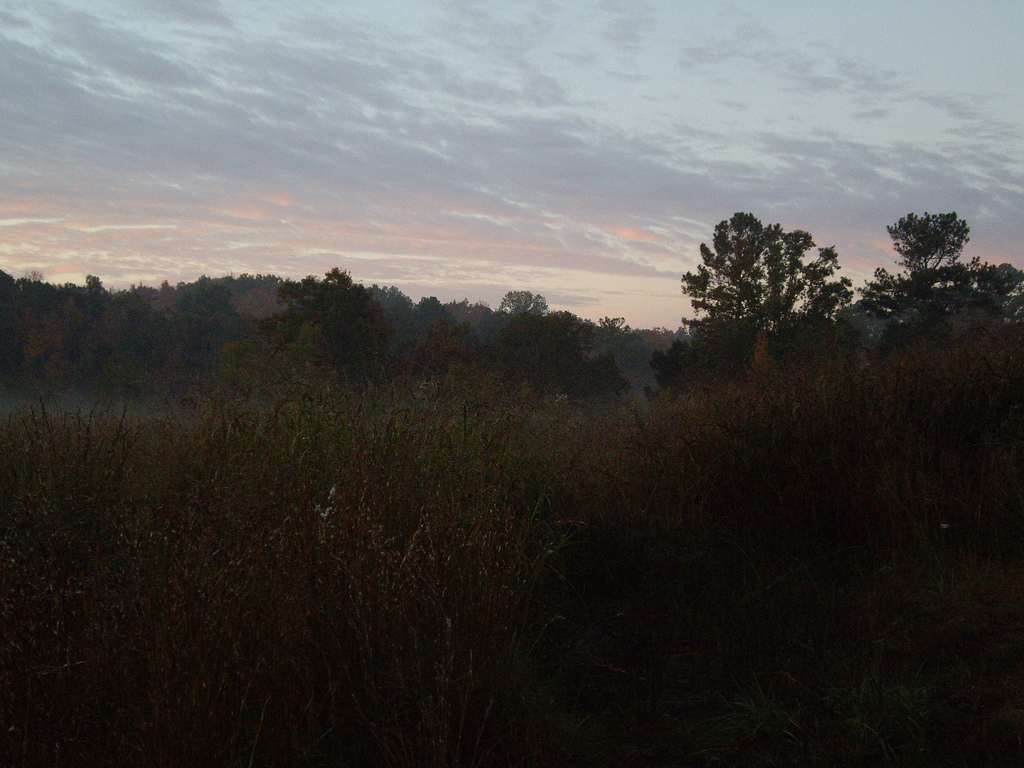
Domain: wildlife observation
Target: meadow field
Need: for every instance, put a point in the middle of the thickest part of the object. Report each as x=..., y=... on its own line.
x=819, y=566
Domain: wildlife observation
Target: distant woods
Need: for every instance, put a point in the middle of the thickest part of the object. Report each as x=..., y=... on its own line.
x=263, y=335
x=762, y=297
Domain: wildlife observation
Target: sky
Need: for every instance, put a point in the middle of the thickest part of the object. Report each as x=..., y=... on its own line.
x=581, y=149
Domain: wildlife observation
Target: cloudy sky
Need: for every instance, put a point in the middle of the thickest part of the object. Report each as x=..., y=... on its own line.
x=458, y=148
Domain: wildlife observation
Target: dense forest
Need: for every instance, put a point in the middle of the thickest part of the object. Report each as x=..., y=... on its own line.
x=758, y=293
x=262, y=334
x=362, y=530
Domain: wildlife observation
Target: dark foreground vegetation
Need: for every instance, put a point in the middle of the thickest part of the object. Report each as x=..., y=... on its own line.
x=807, y=549
x=822, y=566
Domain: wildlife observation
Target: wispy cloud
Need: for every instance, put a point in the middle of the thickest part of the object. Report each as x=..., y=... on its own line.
x=469, y=144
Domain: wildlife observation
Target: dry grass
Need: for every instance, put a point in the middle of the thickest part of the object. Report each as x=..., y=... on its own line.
x=816, y=567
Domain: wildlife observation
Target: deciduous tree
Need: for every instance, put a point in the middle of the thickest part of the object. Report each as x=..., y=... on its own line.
x=762, y=276
x=334, y=319
x=523, y=302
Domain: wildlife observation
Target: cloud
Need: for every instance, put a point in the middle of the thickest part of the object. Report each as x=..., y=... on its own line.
x=206, y=12
x=467, y=159
x=13, y=21
x=628, y=26
x=93, y=229
x=23, y=222
x=874, y=113
x=118, y=52
x=506, y=33
x=733, y=104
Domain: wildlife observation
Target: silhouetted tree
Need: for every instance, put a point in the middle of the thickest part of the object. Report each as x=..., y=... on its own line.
x=43, y=319
x=523, y=302
x=672, y=364
x=933, y=280
x=252, y=296
x=934, y=284
x=760, y=275
x=484, y=321
x=441, y=345
x=9, y=342
x=627, y=346
x=400, y=315
x=708, y=352
x=1006, y=283
x=207, y=319
x=556, y=354
x=755, y=281
x=132, y=341
x=429, y=312
x=332, y=321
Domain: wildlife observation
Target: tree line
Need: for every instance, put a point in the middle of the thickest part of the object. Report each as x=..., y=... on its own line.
x=263, y=333
x=761, y=297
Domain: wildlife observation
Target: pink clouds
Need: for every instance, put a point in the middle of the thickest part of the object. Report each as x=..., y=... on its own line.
x=636, y=234
x=157, y=237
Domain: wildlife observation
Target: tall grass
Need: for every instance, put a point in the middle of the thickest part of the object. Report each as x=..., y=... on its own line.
x=815, y=566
